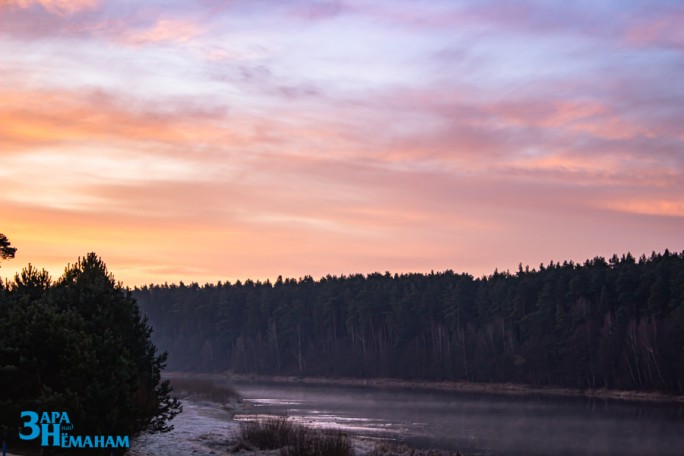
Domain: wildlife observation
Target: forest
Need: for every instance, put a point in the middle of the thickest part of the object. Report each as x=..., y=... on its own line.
x=616, y=323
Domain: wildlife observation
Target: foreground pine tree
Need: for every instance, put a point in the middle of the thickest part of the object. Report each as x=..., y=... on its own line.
x=80, y=345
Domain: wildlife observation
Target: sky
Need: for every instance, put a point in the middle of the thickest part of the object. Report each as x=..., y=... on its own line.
x=211, y=140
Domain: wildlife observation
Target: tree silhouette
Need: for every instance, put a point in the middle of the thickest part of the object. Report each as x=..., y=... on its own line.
x=6, y=249
x=80, y=345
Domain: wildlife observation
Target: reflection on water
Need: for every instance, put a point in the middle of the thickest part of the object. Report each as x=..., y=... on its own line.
x=479, y=424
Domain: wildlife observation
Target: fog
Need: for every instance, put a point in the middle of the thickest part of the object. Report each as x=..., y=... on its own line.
x=479, y=424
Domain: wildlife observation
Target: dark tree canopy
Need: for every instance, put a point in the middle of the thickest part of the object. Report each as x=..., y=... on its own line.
x=79, y=344
x=615, y=323
x=6, y=249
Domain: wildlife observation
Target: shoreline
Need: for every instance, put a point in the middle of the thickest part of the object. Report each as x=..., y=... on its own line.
x=509, y=389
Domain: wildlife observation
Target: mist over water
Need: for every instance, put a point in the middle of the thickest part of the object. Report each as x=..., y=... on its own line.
x=477, y=423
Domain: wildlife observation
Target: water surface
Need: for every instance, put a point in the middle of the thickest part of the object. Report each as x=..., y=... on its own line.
x=478, y=423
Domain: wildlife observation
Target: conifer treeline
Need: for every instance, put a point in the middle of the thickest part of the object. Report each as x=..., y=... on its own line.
x=616, y=324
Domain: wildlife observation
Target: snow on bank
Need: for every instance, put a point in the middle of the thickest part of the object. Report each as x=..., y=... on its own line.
x=206, y=428
x=203, y=429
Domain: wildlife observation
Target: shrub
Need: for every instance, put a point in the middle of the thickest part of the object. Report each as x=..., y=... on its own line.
x=293, y=439
x=269, y=434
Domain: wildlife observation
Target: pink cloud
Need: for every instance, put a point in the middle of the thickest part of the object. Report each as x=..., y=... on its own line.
x=663, y=30
x=164, y=31
x=34, y=117
x=59, y=7
x=591, y=117
x=660, y=207
x=548, y=113
x=90, y=20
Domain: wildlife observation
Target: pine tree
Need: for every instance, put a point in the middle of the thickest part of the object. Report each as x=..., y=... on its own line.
x=80, y=345
x=6, y=249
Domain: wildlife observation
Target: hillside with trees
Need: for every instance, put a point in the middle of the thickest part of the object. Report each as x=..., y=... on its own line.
x=616, y=323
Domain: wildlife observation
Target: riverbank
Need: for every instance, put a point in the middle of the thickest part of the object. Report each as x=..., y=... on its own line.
x=209, y=428
x=425, y=415
x=465, y=387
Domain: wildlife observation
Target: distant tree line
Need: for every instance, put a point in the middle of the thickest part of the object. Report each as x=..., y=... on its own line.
x=616, y=323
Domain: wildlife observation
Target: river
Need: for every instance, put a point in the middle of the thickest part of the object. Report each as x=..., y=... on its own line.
x=477, y=423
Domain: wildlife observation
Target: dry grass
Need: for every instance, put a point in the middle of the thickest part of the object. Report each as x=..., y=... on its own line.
x=269, y=434
x=292, y=439
x=203, y=389
x=310, y=442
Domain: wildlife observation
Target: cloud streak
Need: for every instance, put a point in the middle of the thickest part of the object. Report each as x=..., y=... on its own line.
x=59, y=7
